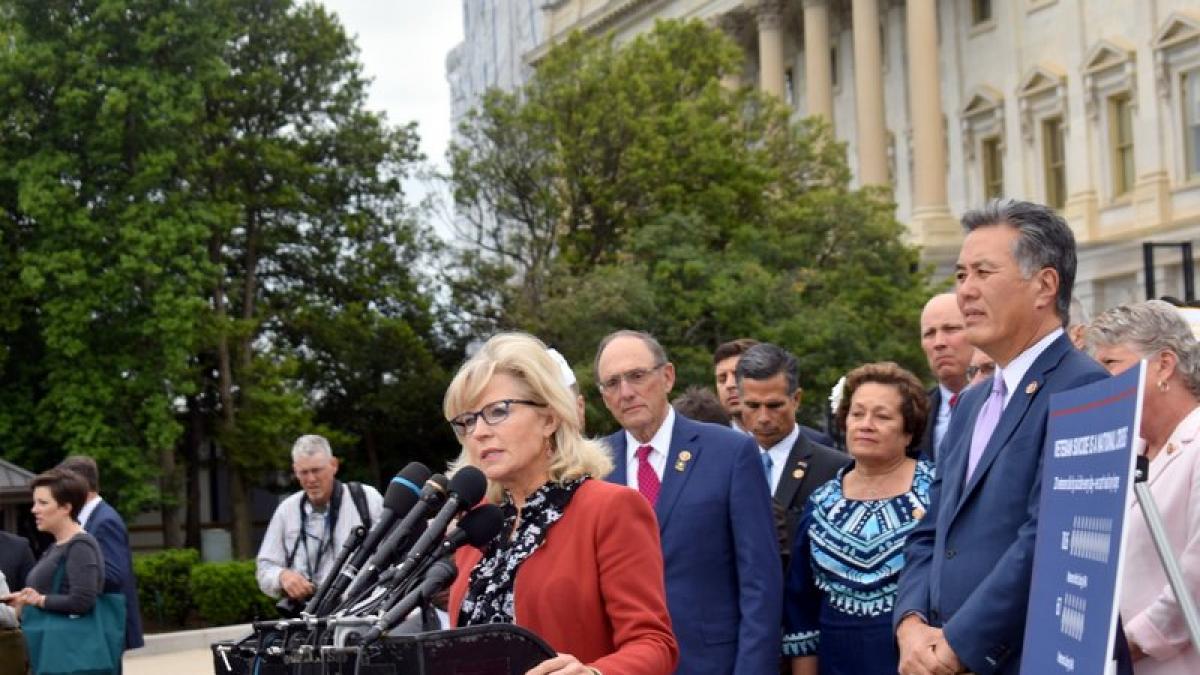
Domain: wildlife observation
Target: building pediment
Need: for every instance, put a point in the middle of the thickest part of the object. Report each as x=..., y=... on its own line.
x=1107, y=54
x=983, y=99
x=1042, y=78
x=1179, y=27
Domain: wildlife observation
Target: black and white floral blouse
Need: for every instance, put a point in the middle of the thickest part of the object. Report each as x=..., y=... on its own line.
x=489, y=597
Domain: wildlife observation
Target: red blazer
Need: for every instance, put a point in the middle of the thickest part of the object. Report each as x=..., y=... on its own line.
x=594, y=588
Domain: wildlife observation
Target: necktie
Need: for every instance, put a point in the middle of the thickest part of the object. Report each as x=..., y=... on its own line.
x=985, y=424
x=648, y=482
x=767, y=464
x=953, y=400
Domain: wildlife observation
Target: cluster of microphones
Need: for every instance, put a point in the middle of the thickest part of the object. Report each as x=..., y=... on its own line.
x=406, y=558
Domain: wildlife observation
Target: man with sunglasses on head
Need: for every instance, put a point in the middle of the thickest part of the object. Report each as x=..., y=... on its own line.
x=705, y=482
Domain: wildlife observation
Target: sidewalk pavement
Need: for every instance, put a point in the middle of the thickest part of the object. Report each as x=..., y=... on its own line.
x=180, y=653
x=185, y=662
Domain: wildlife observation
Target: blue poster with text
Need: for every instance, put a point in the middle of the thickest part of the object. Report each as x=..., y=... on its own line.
x=1087, y=471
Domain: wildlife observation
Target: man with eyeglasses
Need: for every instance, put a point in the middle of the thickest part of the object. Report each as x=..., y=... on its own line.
x=705, y=482
x=982, y=367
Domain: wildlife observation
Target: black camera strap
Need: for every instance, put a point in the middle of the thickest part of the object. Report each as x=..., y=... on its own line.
x=326, y=540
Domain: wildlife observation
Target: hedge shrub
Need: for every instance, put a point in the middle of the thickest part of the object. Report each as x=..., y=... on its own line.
x=227, y=593
x=163, y=584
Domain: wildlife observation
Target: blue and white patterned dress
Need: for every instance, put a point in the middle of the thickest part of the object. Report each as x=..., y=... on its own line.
x=846, y=560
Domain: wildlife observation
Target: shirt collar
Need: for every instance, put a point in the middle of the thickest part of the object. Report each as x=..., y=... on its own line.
x=1018, y=367
x=946, y=396
x=780, y=450
x=661, y=441
x=88, y=509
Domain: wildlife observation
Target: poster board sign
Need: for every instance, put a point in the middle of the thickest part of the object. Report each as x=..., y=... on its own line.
x=1087, y=480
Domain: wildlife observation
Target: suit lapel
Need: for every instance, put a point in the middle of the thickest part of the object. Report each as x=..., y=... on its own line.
x=935, y=404
x=677, y=470
x=1015, y=411
x=953, y=462
x=797, y=465
x=616, y=444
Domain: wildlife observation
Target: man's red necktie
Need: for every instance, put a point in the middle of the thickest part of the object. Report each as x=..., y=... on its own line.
x=648, y=482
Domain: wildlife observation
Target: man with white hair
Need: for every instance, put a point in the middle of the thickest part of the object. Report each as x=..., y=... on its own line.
x=310, y=527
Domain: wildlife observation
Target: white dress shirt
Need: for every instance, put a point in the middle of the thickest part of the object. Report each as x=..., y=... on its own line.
x=88, y=509
x=779, y=454
x=1016, y=369
x=661, y=442
x=943, y=416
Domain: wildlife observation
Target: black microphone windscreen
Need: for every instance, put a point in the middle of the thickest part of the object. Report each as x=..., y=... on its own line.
x=469, y=484
x=440, y=481
x=482, y=524
x=405, y=487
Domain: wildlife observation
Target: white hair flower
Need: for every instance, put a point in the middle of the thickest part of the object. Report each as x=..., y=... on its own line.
x=835, y=395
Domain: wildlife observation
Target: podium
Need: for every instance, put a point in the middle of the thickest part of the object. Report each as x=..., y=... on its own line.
x=495, y=649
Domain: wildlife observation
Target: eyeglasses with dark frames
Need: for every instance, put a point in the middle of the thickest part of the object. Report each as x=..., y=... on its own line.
x=493, y=413
x=987, y=369
x=636, y=378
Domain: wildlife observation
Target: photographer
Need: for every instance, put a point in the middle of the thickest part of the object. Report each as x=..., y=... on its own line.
x=310, y=526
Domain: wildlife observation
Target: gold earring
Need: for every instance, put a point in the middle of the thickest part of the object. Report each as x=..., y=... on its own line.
x=1163, y=386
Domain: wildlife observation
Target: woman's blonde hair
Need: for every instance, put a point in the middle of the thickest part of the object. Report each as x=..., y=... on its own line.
x=524, y=358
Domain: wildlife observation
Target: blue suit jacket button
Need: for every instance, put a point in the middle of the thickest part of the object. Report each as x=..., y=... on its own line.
x=950, y=553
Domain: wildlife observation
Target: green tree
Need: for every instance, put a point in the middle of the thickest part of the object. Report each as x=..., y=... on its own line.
x=204, y=238
x=316, y=236
x=103, y=238
x=632, y=186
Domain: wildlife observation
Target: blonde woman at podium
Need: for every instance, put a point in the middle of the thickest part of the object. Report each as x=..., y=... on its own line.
x=578, y=561
x=1170, y=439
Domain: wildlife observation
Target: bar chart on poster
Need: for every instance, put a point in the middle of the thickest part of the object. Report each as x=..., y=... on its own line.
x=1087, y=479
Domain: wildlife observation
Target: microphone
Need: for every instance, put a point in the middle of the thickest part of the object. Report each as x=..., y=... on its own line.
x=439, y=577
x=478, y=527
x=399, y=538
x=402, y=494
x=356, y=537
x=467, y=487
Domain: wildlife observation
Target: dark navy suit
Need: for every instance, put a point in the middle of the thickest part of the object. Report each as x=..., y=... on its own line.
x=721, y=560
x=968, y=564
x=106, y=525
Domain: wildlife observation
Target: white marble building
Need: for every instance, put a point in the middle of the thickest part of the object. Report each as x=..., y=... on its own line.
x=1090, y=105
x=497, y=36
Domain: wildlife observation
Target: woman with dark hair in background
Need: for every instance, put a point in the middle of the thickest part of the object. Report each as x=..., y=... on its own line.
x=848, y=549
x=58, y=496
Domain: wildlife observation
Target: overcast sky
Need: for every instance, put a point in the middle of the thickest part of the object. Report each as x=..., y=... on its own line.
x=403, y=46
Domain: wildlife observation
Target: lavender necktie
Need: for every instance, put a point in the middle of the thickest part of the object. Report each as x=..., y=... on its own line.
x=985, y=424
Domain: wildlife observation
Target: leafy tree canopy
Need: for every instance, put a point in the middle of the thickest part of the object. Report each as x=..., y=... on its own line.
x=636, y=186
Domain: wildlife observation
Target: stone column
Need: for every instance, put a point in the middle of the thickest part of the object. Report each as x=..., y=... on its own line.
x=932, y=224
x=818, y=74
x=868, y=94
x=771, y=71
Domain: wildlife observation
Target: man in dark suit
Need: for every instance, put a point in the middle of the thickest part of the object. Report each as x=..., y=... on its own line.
x=768, y=380
x=102, y=521
x=721, y=561
x=944, y=340
x=16, y=559
x=725, y=361
x=965, y=586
